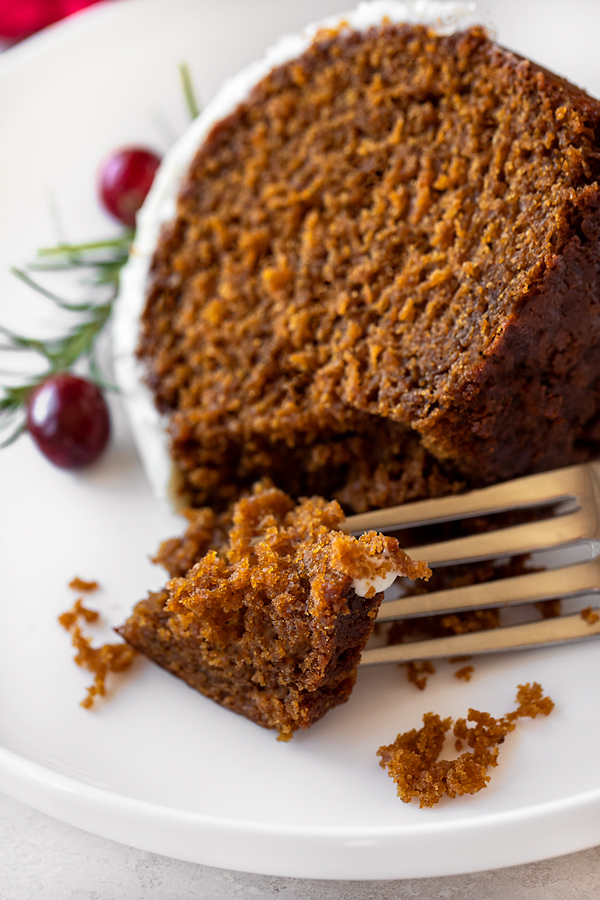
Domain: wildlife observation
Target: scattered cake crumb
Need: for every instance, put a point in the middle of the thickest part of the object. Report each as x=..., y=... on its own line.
x=418, y=671
x=413, y=759
x=531, y=702
x=97, y=660
x=464, y=672
x=78, y=611
x=589, y=615
x=80, y=584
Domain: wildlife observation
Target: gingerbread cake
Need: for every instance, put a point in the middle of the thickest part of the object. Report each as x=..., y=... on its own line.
x=271, y=618
x=380, y=279
x=370, y=271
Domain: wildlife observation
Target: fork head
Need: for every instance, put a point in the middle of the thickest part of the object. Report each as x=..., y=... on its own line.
x=570, y=501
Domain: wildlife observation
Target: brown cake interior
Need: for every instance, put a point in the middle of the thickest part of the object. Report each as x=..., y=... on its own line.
x=267, y=622
x=382, y=280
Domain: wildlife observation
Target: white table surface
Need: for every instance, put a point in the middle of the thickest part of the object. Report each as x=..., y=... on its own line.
x=41, y=857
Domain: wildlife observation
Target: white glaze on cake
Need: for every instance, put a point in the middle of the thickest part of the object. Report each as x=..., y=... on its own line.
x=149, y=427
x=365, y=587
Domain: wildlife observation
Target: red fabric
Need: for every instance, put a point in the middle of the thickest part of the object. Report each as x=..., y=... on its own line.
x=19, y=18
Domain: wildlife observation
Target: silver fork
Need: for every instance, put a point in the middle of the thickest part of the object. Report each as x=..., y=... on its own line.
x=572, y=493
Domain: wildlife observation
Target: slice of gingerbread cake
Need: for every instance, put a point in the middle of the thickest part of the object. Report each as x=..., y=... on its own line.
x=271, y=617
x=371, y=270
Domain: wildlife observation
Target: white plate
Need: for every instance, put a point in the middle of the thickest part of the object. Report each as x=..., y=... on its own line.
x=158, y=766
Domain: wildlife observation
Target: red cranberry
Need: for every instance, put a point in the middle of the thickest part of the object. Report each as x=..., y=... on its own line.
x=68, y=419
x=124, y=179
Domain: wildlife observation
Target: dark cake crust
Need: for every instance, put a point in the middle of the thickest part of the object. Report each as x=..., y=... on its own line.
x=533, y=402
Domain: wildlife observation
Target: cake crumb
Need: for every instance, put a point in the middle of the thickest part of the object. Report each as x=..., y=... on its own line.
x=78, y=611
x=97, y=660
x=589, y=615
x=464, y=672
x=413, y=762
x=80, y=584
x=532, y=703
x=418, y=671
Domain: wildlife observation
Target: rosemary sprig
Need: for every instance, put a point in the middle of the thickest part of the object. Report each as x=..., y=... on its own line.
x=104, y=261
x=188, y=91
x=26, y=279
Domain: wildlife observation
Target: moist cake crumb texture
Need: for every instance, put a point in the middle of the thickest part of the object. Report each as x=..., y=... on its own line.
x=266, y=622
x=413, y=759
x=382, y=282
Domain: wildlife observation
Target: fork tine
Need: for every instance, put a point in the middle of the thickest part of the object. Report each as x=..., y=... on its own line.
x=549, y=534
x=533, y=490
x=562, y=629
x=567, y=581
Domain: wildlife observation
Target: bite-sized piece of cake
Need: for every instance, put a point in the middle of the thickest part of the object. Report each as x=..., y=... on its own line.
x=382, y=274
x=270, y=622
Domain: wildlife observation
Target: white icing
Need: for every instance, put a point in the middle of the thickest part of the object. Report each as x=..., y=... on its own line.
x=147, y=424
x=362, y=586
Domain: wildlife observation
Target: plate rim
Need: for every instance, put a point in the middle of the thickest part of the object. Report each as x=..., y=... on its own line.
x=266, y=850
